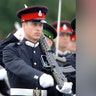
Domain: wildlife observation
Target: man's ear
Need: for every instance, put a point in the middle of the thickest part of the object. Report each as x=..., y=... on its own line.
x=23, y=25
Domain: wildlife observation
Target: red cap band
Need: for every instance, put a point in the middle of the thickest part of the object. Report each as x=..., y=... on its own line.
x=67, y=29
x=73, y=37
x=30, y=16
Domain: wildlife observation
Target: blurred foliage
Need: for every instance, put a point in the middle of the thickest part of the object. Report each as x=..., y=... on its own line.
x=8, y=9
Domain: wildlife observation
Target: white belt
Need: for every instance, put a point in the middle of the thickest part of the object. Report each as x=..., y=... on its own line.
x=28, y=92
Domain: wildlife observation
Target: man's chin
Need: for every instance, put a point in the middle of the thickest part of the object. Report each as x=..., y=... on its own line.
x=37, y=38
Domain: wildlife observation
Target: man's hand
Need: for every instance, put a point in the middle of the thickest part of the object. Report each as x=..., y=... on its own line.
x=46, y=81
x=67, y=88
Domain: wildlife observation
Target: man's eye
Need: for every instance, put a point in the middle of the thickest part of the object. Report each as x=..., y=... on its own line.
x=35, y=24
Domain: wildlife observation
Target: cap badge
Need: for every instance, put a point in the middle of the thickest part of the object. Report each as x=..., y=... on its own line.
x=64, y=27
x=25, y=6
x=40, y=13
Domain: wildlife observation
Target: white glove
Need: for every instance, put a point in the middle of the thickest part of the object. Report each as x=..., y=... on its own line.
x=19, y=34
x=3, y=74
x=67, y=88
x=46, y=81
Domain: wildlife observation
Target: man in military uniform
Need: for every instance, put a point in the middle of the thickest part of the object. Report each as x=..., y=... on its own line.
x=64, y=35
x=63, y=50
x=22, y=61
x=72, y=44
x=73, y=39
x=64, y=38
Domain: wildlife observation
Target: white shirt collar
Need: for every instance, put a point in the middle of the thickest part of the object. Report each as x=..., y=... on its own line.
x=31, y=44
x=63, y=52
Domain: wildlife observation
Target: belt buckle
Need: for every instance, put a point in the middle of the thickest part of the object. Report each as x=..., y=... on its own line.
x=36, y=92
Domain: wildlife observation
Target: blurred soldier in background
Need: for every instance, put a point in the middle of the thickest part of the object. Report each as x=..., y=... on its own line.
x=72, y=47
x=72, y=44
x=64, y=39
x=64, y=36
x=73, y=38
x=64, y=50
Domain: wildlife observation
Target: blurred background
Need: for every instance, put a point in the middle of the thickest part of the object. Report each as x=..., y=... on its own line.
x=8, y=9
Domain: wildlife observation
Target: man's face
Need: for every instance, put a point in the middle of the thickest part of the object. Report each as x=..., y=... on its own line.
x=33, y=30
x=63, y=40
x=72, y=46
x=49, y=41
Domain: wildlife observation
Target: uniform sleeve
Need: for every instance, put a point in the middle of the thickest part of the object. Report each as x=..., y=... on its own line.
x=10, y=39
x=18, y=66
x=71, y=60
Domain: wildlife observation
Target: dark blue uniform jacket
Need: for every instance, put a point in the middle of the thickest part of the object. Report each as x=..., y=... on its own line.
x=10, y=39
x=24, y=66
